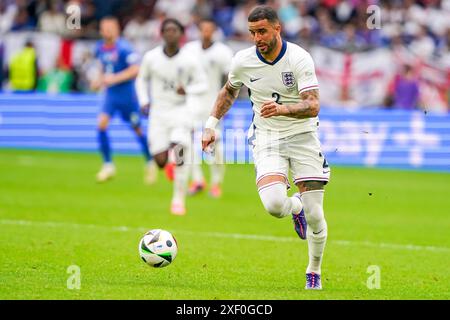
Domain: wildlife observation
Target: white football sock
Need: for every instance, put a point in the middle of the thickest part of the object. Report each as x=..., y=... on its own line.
x=197, y=172
x=217, y=168
x=181, y=176
x=276, y=202
x=197, y=159
x=317, y=231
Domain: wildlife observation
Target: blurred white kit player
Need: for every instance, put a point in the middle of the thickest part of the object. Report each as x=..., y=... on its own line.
x=170, y=75
x=216, y=59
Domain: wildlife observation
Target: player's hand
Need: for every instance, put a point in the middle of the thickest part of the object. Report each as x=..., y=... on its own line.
x=96, y=84
x=145, y=109
x=208, y=138
x=181, y=91
x=271, y=109
x=109, y=80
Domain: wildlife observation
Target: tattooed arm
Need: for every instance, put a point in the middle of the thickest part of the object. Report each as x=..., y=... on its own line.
x=224, y=100
x=308, y=107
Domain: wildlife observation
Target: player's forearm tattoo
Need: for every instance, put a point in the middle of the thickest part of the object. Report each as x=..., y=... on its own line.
x=225, y=99
x=307, y=108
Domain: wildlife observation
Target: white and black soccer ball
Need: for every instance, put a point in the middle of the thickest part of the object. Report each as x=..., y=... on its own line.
x=158, y=248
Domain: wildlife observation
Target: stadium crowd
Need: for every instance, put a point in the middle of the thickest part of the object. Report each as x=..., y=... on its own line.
x=420, y=26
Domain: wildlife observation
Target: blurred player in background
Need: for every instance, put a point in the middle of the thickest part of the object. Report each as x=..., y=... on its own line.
x=171, y=74
x=285, y=96
x=215, y=58
x=119, y=69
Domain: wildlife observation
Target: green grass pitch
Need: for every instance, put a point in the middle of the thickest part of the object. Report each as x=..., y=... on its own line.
x=53, y=215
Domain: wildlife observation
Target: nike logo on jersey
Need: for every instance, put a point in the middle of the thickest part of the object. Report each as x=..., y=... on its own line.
x=254, y=79
x=318, y=232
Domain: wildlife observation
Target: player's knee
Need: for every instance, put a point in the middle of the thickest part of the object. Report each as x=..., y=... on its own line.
x=103, y=122
x=273, y=204
x=161, y=159
x=275, y=208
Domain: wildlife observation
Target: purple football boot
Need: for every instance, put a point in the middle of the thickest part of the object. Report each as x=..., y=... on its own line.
x=300, y=222
x=313, y=281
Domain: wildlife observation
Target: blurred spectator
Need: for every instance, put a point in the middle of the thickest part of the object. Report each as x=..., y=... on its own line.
x=58, y=80
x=416, y=22
x=40, y=7
x=52, y=20
x=138, y=28
x=306, y=37
x=422, y=45
x=89, y=23
x=352, y=41
x=437, y=18
x=7, y=16
x=307, y=20
x=290, y=18
x=176, y=9
x=203, y=9
x=444, y=51
x=155, y=26
x=329, y=35
x=139, y=31
x=23, y=20
x=192, y=30
x=418, y=27
x=23, y=69
x=145, y=33
x=413, y=13
x=239, y=22
x=372, y=37
x=404, y=90
x=343, y=12
x=86, y=72
x=223, y=15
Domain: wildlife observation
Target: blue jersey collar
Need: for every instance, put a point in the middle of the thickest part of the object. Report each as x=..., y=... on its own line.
x=280, y=55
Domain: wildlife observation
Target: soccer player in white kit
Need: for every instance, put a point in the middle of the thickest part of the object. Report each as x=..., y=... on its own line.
x=171, y=74
x=285, y=96
x=216, y=59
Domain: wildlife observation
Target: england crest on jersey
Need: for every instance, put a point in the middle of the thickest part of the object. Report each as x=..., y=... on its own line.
x=288, y=79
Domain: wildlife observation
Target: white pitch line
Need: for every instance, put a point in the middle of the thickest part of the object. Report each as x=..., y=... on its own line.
x=381, y=245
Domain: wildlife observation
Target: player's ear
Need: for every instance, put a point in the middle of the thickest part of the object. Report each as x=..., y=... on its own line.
x=277, y=27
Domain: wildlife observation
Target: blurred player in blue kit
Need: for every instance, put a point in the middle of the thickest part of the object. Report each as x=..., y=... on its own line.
x=120, y=66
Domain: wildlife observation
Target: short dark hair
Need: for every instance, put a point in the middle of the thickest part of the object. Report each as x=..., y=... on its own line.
x=263, y=12
x=208, y=19
x=174, y=21
x=110, y=17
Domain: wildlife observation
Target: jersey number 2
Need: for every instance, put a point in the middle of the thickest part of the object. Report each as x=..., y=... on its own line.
x=277, y=97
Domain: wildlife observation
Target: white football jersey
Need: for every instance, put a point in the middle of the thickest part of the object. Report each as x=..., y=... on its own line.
x=282, y=80
x=216, y=61
x=161, y=75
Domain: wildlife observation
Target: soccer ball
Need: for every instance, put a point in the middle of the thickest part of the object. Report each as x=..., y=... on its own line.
x=158, y=248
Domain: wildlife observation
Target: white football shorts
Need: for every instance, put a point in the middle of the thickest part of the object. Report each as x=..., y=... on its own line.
x=300, y=154
x=165, y=129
